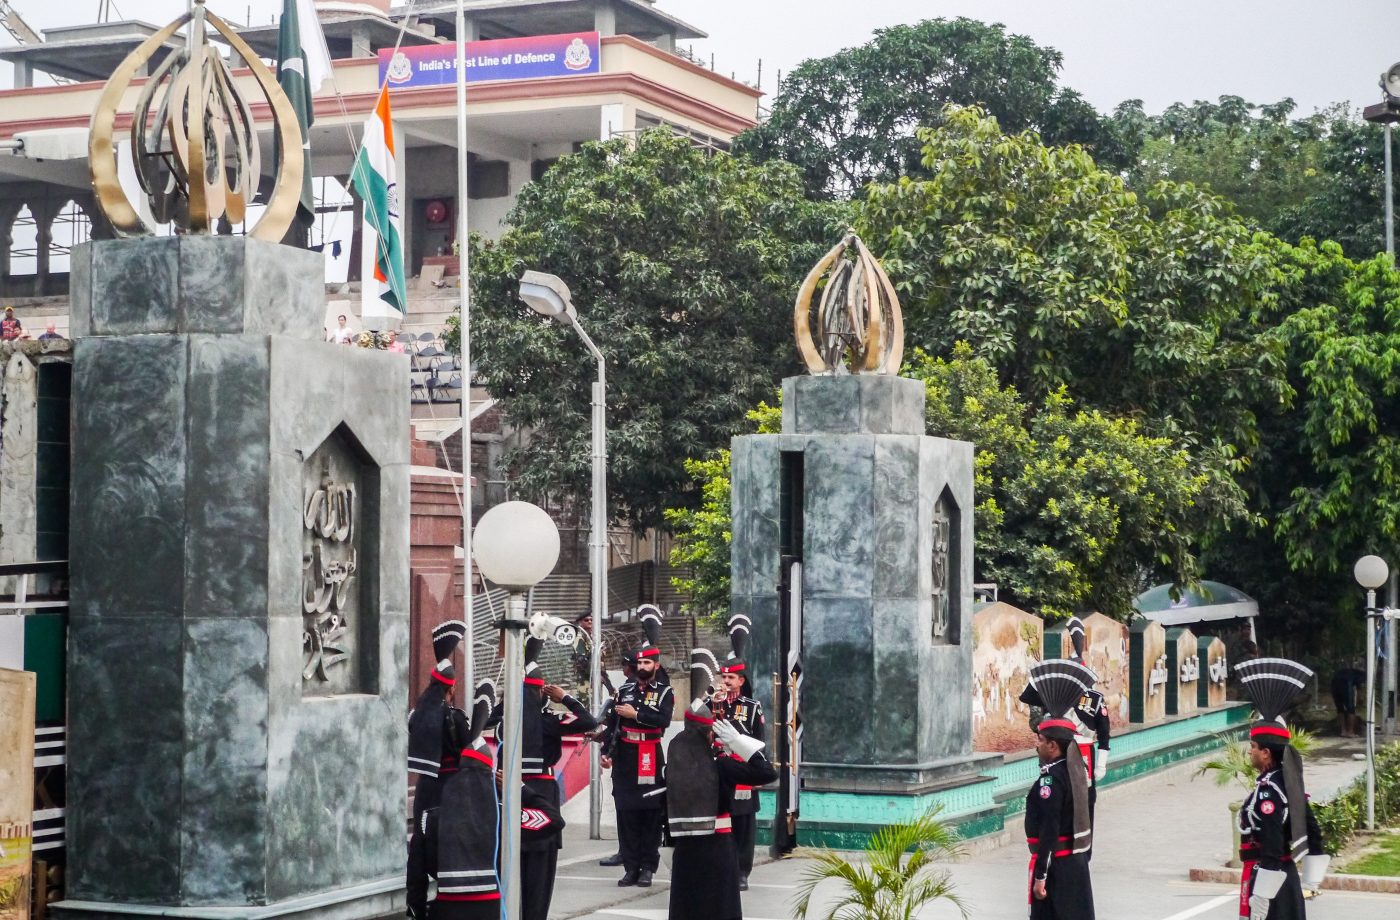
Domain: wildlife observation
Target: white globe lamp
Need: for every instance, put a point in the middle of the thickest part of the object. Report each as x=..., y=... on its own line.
x=516, y=545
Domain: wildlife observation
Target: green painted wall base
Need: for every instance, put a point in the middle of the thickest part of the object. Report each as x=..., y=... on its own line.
x=989, y=803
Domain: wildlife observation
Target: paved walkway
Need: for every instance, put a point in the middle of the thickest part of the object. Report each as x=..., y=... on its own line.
x=1150, y=833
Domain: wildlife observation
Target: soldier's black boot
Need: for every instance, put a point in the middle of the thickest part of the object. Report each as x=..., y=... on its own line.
x=644, y=879
x=630, y=879
x=613, y=860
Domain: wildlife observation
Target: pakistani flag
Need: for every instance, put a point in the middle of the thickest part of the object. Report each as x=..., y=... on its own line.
x=375, y=180
x=302, y=65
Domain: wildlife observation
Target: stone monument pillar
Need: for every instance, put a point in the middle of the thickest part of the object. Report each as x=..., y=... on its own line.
x=238, y=549
x=239, y=615
x=880, y=516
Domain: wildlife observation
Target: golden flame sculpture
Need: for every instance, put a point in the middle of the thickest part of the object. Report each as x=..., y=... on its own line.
x=860, y=325
x=193, y=139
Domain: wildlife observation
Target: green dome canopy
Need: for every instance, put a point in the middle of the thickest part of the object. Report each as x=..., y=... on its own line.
x=1210, y=600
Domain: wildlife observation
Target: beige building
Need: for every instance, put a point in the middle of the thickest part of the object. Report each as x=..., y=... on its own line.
x=517, y=125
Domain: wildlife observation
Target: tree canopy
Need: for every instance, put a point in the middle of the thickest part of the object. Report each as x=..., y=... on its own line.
x=681, y=265
x=1058, y=275
x=851, y=118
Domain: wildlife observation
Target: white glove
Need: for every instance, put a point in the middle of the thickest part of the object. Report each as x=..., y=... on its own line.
x=1267, y=883
x=1314, y=871
x=1100, y=765
x=735, y=741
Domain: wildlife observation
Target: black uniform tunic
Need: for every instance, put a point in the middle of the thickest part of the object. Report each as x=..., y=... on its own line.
x=468, y=888
x=638, y=771
x=1050, y=836
x=539, y=855
x=1264, y=844
x=705, y=869
x=746, y=713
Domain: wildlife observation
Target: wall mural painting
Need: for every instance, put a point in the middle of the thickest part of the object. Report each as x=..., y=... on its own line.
x=1006, y=642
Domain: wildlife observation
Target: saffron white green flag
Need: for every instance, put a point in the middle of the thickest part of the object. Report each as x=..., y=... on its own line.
x=303, y=63
x=375, y=179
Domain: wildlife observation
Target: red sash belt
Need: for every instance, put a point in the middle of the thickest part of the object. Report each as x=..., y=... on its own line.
x=1034, y=844
x=646, y=762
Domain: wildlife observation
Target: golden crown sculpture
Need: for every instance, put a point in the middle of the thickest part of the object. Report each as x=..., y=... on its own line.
x=861, y=327
x=196, y=151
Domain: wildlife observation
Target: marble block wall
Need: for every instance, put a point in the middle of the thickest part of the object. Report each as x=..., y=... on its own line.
x=887, y=703
x=204, y=769
x=1184, y=662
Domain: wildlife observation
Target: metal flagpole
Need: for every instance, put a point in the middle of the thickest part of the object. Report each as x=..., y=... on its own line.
x=465, y=342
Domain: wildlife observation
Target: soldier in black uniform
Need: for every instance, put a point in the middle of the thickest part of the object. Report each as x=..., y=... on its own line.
x=540, y=857
x=437, y=730
x=455, y=842
x=605, y=736
x=1058, y=831
x=639, y=718
x=700, y=786
x=735, y=704
x=1276, y=826
x=1092, y=731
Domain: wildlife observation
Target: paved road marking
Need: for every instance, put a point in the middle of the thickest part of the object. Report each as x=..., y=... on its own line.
x=1199, y=909
x=650, y=914
x=611, y=880
x=591, y=857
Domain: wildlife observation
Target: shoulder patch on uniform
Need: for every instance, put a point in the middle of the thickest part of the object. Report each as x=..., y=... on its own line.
x=532, y=819
x=1267, y=808
x=1047, y=780
x=1045, y=792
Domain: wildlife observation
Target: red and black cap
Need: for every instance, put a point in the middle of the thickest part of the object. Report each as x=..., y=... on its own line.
x=734, y=663
x=651, y=629
x=1273, y=685
x=703, y=669
x=1060, y=682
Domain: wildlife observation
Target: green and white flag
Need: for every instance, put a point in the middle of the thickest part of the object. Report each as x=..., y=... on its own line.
x=375, y=179
x=303, y=63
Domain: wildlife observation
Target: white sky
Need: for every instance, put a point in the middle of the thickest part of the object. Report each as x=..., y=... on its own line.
x=1316, y=52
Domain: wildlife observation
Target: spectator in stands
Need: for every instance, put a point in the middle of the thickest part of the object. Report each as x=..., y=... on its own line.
x=341, y=335
x=10, y=327
x=49, y=332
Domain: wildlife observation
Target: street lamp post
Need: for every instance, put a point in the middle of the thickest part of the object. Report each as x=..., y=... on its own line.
x=1371, y=572
x=517, y=545
x=1387, y=112
x=548, y=296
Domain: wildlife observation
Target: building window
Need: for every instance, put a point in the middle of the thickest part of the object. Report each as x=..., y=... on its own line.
x=488, y=178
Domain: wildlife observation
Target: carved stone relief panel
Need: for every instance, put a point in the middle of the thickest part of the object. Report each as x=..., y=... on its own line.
x=339, y=535
x=947, y=569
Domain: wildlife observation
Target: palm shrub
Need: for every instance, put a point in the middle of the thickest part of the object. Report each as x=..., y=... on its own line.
x=1232, y=763
x=895, y=878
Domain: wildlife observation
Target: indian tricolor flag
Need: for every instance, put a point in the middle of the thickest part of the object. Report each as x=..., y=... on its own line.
x=375, y=179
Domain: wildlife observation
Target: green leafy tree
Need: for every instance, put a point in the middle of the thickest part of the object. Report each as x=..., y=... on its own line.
x=1074, y=508
x=1061, y=277
x=681, y=264
x=703, y=534
x=850, y=119
x=896, y=879
x=1258, y=157
x=1346, y=202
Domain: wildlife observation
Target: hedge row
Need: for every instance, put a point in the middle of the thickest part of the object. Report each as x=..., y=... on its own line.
x=1345, y=814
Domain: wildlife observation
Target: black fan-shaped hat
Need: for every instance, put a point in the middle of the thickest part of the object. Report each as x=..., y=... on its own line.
x=1060, y=682
x=1075, y=629
x=445, y=638
x=482, y=702
x=1273, y=685
x=703, y=670
x=739, y=626
x=651, y=628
